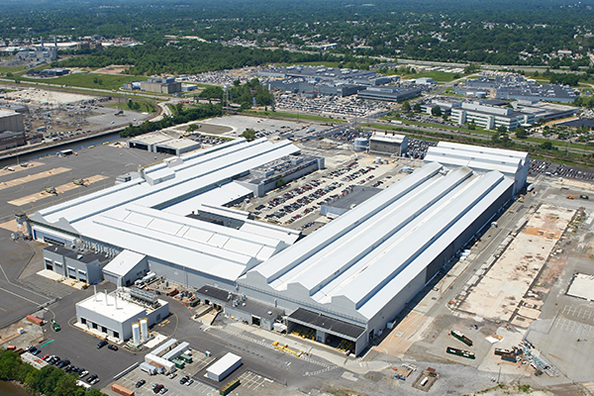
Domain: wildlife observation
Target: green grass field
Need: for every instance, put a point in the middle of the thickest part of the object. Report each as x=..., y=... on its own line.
x=88, y=80
x=4, y=70
x=143, y=107
x=295, y=116
x=317, y=63
x=438, y=76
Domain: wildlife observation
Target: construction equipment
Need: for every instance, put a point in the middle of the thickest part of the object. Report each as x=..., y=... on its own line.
x=460, y=352
x=285, y=348
x=55, y=326
x=458, y=335
x=570, y=197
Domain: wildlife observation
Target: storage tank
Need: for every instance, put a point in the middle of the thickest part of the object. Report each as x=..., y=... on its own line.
x=136, y=333
x=144, y=329
x=360, y=144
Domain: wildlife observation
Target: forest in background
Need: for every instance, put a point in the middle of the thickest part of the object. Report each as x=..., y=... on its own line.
x=500, y=32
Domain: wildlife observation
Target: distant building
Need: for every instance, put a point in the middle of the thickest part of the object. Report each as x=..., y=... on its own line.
x=388, y=144
x=446, y=104
x=19, y=108
x=326, y=81
x=490, y=117
x=167, y=86
x=389, y=94
x=546, y=111
x=515, y=86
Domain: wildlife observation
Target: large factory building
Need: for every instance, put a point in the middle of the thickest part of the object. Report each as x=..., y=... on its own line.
x=341, y=285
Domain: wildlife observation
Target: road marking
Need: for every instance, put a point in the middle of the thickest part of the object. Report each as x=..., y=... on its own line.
x=19, y=296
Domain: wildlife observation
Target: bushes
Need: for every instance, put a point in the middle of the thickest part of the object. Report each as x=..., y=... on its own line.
x=182, y=116
x=49, y=381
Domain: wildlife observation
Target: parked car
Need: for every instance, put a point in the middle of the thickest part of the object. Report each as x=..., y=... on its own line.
x=101, y=344
x=140, y=383
x=112, y=347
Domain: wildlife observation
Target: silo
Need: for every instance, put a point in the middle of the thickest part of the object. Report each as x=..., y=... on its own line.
x=144, y=329
x=360, y=144
x=136, y=333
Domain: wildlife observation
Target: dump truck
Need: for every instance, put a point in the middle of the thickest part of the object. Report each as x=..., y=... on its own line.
x=458, y=335
x=460, y=352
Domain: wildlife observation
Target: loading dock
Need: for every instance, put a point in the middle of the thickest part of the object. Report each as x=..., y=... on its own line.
x=325, y=329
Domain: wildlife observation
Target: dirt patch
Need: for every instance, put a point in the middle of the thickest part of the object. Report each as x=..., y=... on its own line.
x=113, y=69
x=500, y=291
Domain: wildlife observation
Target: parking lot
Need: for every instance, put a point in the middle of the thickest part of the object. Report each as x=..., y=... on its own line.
x=330, y=106
x=302, y=199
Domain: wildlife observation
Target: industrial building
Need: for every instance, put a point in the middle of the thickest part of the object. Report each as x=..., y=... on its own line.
x=114, y=314
x=158, y=85
x=10, y=140
x=165, y=215
x=83, y=266
x=388, y=144
x=389, y=94
x=342, y=285
x=161, y=143
x=546, y=111
x=516, y=86
x=445, y=104
x=513, y=164
x=280, y=172
x=11, y=121
x=327, y=81
x=490, y=117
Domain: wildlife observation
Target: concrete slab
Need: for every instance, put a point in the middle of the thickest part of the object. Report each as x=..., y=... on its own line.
x=503, y=287
x=582, y=286
x=33, y=177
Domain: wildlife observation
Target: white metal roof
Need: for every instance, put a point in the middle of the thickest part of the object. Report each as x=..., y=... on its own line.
x=363, y=259
x=509, y=162
x=221, y=365
x=123, y=262
x=388, y=137
x=150, y=219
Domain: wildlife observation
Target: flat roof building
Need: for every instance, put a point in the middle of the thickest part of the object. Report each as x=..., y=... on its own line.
x=280, y=172
x=489, y=116
x=389, y=94
x=113, y=314
x=388, y=144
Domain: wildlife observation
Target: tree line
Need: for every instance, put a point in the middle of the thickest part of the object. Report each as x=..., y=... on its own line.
x=49, y=381
x=182, y=115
